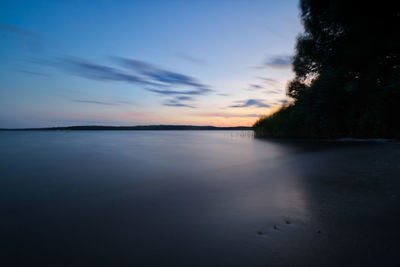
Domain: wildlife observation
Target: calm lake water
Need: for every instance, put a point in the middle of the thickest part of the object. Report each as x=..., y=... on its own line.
x=195, y=198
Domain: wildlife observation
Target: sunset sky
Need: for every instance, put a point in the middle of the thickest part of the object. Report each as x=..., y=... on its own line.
x=207, y=62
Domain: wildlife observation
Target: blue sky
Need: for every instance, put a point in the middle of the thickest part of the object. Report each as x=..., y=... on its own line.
x=206, y=62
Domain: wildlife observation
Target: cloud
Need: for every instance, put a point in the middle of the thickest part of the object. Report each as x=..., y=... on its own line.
x=268, y=80
x=18, y=30
x=284, y=101
x=33, y=73
x=124, y=102
x=229, y=115
x=256, y=86
x=160, y=75
x=284, y=61
x=152, y=78
x=179, y=101
x=176, y=103
x=26, y=39
x=98, y=72
x=197, y=91
x=190, y=58
x=277, y=62
x=95, y=102
x=184, y=98
x=274, y=91
x=250, y=102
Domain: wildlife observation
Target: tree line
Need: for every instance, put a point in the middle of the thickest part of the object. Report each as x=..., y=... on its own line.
x=347, y=73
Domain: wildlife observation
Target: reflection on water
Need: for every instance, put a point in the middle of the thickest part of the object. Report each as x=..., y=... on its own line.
x=178, y=198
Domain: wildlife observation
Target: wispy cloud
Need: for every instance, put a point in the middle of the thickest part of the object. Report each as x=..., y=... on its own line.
x=95, y=102
x=176, y=103
x=250, y=102
x=97, y=72
x=277, y=62
x=160, y=75
x=254, y=87
x=186, y=98
x=26, y=39
x=229, y=115
x=274, y=91
x=190, y=58
x=33, y=73
x=179, y=101
x=150, y=77
x=284, y=61
x=197, y=91
x=18, y=30
x=268, y=80
x=123, y=102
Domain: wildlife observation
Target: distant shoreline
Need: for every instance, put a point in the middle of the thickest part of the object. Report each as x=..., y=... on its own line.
x=132, y=128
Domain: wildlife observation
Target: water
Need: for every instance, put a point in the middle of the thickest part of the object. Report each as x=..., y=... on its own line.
x=192, y=198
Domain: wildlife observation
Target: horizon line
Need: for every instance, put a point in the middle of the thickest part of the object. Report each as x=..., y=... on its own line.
x=132, y=127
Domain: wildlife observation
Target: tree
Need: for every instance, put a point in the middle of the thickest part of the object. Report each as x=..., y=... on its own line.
x=347, y=72
x=360, y=38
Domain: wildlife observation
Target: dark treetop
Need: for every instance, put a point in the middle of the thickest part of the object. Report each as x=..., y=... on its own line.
x=347, y=67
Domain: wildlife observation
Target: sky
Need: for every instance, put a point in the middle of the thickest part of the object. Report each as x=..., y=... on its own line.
x=208, y=62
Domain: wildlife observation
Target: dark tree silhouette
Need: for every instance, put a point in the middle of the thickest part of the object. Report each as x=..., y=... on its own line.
x=347, y=67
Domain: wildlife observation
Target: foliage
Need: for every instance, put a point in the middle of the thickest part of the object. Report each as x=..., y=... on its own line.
x=347, y=67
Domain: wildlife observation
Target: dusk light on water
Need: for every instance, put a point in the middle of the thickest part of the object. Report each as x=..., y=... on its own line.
x=199, y=133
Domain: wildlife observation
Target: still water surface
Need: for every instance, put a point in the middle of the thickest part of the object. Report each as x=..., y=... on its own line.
x=191, y=198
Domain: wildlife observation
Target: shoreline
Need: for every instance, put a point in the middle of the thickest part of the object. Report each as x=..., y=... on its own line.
x=131, y=128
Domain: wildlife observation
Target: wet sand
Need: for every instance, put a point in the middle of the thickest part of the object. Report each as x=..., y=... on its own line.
x=200, y=200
